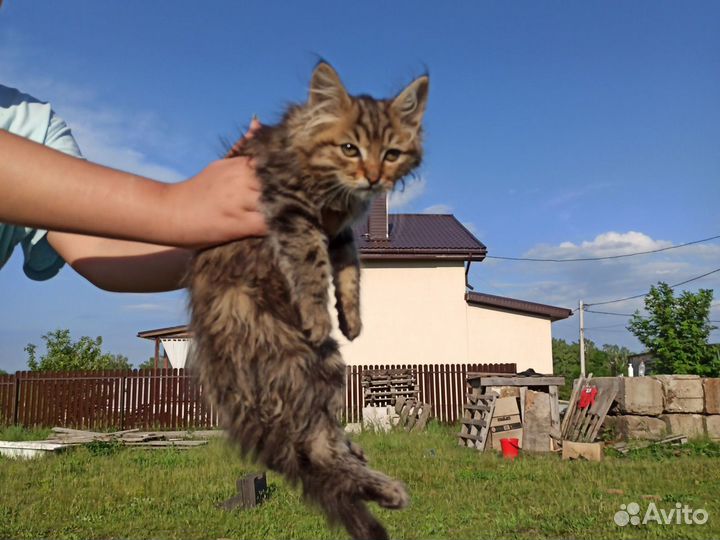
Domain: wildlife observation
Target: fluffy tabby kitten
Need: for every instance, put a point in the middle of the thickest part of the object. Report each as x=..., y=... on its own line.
x=260, y=314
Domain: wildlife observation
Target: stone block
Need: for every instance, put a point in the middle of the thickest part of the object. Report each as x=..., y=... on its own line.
x=711, y=388
x=536, y=423
x=692, y=425
x=379, y=418
x=640, y=396
x=712, y=426
x=627, y=427
x=682, y=393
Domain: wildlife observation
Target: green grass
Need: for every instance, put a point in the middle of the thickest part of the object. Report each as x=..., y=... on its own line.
x=105, y=491
x=17, y=433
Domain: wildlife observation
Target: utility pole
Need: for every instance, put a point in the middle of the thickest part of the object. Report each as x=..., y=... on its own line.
x=582, y=340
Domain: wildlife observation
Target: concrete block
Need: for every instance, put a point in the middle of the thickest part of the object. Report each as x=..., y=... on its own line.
x=692, y=425
x=682, y=393
x=579, y=450
x=640, y=396
x=536, y=423
x=711, y=388
x=627, y=427
x=377, y=418
x=635, y=395
x=712, y=426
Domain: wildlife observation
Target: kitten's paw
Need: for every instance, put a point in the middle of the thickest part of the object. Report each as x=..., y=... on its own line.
x=350, y=324
x=393, y=495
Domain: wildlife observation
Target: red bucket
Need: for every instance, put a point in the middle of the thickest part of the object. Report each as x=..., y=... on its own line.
x=510, y=448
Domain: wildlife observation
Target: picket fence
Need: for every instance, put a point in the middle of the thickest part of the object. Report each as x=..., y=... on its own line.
x=172, y=399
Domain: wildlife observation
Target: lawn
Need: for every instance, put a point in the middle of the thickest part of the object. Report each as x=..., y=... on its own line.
x=104, y=491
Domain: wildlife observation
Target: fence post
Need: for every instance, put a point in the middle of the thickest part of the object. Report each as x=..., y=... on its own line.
x=16, y=401
x=123, y=389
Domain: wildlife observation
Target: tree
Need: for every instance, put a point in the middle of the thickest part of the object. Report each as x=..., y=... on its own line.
x=148, y=364
x=676, y=331
x=609, y=360
x=617, y=359
x=63, y=354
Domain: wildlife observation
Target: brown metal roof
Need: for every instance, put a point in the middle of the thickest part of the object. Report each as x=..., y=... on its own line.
x=421, y=236
x=169, y=332
x=520, y=306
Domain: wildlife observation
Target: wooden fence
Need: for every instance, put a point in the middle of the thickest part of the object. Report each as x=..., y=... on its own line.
x=172, y=399
x=441, y=385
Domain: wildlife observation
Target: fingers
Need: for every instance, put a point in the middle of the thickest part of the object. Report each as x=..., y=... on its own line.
x=249, y=134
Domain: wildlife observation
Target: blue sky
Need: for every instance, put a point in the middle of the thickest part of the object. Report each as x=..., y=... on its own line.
x=554, y=129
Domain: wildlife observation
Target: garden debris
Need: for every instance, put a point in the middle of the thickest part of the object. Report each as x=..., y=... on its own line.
x=414, y=414
x=675, y=440
x=129, y=437
x=477, y=413
x=580, y=450
x=615, y=491
x=586, y=411
x=536, y=422
x=384, y=386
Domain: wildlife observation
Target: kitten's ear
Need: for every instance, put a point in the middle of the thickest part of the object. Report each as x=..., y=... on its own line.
x=326, y=89
x=410, y=103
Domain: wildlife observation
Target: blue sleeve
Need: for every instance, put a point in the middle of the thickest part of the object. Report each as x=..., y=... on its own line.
x=35, y=120
x=41, y=260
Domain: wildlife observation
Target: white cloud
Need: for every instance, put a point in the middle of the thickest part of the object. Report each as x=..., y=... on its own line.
x=402, y=197
x=603, y=245
x=564, y=284
x=116, y=138
x=438, y=209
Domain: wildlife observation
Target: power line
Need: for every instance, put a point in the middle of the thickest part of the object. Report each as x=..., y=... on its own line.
x=609, y=313
x=605, y=326
x=608, y=257
x=645, y=294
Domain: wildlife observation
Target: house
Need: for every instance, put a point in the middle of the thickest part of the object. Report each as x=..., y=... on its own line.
x=416, y=306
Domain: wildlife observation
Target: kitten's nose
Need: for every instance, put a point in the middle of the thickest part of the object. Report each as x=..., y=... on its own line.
x=372, y=174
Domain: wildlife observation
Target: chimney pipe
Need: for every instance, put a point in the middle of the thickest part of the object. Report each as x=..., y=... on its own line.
x=378, y=218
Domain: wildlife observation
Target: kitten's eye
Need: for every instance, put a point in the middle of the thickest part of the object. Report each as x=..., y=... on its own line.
x=350, y=150
x=392, y=155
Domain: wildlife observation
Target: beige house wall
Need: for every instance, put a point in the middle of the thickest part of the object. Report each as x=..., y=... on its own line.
x=416, y=313
x=498, y=336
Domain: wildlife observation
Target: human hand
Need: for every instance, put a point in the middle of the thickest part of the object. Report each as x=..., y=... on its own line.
x=220, y=204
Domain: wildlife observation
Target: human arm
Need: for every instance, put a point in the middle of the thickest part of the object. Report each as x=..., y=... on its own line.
x=43, y=188
x=122, y=265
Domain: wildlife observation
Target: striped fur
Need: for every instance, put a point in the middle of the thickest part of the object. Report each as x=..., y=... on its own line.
x=260, y=306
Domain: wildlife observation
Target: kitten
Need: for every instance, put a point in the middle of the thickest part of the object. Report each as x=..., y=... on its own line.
x=260, y=314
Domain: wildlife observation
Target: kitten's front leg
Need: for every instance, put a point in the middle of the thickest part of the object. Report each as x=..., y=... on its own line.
x=346, y=278
x=302, y=253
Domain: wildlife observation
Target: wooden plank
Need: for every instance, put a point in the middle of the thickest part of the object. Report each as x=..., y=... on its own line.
x=522, y=381
x=423, y=417
x=554, y=412
x=470, y=422
x=571, y=406
x=601, y=414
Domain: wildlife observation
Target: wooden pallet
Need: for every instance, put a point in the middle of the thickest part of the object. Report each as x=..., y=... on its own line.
x=477, y=413
x=414, y=414
x=583, y=425
x=383, y=387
